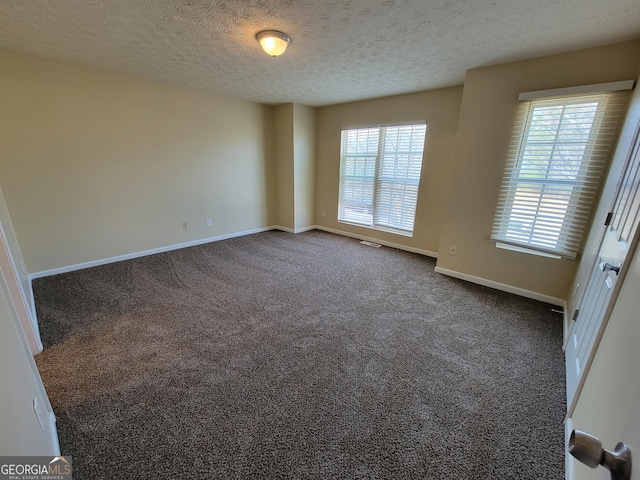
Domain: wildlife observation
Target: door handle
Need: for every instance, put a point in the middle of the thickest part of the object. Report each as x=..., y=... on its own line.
x=607, y=267
x=588, y=449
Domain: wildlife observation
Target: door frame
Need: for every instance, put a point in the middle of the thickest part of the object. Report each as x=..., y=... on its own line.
x=18, y=296
x=634, y=148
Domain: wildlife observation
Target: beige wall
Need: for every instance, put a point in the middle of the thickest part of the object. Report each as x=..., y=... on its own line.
x=304, y=134
x=95, y=164
x=488, y=107
x=284, y=166
x=294, y=126
x=440, y=110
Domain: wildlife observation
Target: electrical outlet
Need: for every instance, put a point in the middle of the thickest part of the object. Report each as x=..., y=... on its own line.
x=324, y=213
x=184, y=225
x=453, y=249
x=209, y=222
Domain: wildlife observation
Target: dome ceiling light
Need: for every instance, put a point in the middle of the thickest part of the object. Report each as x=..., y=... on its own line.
x=273, y=42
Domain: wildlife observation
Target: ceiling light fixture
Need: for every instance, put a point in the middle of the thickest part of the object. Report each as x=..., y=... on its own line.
x=273, y=42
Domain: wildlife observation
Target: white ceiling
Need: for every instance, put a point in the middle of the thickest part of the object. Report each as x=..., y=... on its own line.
x=341, y=50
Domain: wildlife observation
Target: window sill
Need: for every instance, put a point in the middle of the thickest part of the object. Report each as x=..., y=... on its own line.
x=395, y=231
x=513, y=248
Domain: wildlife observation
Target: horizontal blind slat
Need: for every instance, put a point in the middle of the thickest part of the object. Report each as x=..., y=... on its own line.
x=380, y=172
x=558, y=151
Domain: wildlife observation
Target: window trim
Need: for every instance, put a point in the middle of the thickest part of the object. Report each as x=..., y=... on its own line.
x=377, y=205
x=609, y=87
x=573, y=223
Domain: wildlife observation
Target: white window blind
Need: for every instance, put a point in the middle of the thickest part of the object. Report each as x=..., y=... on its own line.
x=380, y=175
x=559, y=151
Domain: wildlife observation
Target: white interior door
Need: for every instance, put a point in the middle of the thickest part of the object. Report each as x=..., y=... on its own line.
x=24, y=309
x=630, y=436
x=601, y=291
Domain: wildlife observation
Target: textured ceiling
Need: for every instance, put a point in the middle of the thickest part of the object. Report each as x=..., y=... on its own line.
x=341, y=50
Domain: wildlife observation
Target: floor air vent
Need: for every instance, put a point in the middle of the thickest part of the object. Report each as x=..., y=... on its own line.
x=370, y=244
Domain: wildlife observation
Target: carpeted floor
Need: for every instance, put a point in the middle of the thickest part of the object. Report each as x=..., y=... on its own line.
x=299, y=356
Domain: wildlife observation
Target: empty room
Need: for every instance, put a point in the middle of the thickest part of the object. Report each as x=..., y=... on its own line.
x=362, y=239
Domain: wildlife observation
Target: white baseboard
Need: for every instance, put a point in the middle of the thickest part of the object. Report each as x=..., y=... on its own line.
x=568, y=459
x=305, y=229
x=377, y=240
x=284, y=229
x=444, y=271
x=55, y=444
x=128, y=256
x=293, y=230
x=502, y=286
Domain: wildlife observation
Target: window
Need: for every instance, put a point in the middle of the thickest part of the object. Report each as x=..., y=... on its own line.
x=380, y=175
x=559, y=151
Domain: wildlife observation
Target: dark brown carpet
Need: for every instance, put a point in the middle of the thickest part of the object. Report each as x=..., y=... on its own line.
x=299, y=356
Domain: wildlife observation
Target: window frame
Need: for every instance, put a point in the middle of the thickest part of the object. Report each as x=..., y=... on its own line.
x=588, y=171
x=382, y=198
